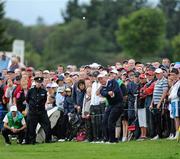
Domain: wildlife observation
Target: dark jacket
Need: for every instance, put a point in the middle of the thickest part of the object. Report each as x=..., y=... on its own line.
x=132, y=90
x=36, y=98
x=68, y=105
x=112, y=85
x=78, y=96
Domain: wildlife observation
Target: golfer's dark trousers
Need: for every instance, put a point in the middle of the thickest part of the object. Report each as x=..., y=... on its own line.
x=97, y=112
x=112, y=114
x=33, y=119
x=6, y=132
x=157, y=116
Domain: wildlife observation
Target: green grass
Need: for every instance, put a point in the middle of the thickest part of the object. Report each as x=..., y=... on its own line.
x=161, y=149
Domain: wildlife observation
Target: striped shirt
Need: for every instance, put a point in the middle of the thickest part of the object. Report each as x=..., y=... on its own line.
x=159, y=88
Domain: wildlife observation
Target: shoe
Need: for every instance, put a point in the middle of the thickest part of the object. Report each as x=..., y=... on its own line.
x=61, y=140
x=155, y=138
x=176, y=136
x=170, y=136
x=124, y=139
x=141, y=138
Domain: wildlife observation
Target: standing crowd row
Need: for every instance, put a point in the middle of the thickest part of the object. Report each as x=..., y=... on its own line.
x=108, y=104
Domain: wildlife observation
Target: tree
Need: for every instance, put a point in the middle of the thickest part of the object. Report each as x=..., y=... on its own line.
x=4, y=39
x=142, y=32
x=176, y=48
x=73, y=11
x=171, y=9
x=73, y=43
x=103, y=14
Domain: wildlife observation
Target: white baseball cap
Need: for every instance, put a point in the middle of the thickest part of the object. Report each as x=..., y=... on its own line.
x=114, y=71
x=46, y=71
x=158, y=70
x=13, y=108
x=102, y=74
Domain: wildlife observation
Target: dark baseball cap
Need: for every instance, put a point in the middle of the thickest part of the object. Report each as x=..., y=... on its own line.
x=39, y=79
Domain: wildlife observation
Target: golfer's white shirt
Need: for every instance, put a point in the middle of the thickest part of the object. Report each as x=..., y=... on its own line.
x=95, y=100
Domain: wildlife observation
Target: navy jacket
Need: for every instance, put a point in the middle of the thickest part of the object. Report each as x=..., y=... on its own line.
x=112, y=85
x=68, y=105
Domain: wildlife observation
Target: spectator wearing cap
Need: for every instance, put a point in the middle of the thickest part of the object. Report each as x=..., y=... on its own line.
x=67, y=74
x=112, y=92
x=29, y=71
x=60, y=82
x=87, y=69
x=10, y=74
x=14, y=124
x=142, y=119
x=69, y=109
x=50, y=103
x=159, y=94
x=46, y=74
x=68, y=102
x=175, y=99
x=36, y=99
x=60, y=96
x=54, y=86
x=165, y=71
x=148, y=92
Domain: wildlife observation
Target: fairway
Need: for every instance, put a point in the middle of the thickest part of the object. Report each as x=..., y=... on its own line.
x=161, y=149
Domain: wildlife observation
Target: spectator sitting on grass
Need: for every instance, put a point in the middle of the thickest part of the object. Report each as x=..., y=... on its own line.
x=14, y=124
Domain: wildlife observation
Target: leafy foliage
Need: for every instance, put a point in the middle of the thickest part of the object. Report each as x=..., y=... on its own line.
x=142, y=32
x=176, y=47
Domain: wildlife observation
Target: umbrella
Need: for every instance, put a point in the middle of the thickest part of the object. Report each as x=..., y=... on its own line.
x=53, y=115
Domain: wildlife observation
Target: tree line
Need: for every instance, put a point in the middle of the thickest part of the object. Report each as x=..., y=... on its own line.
x=103, y=31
